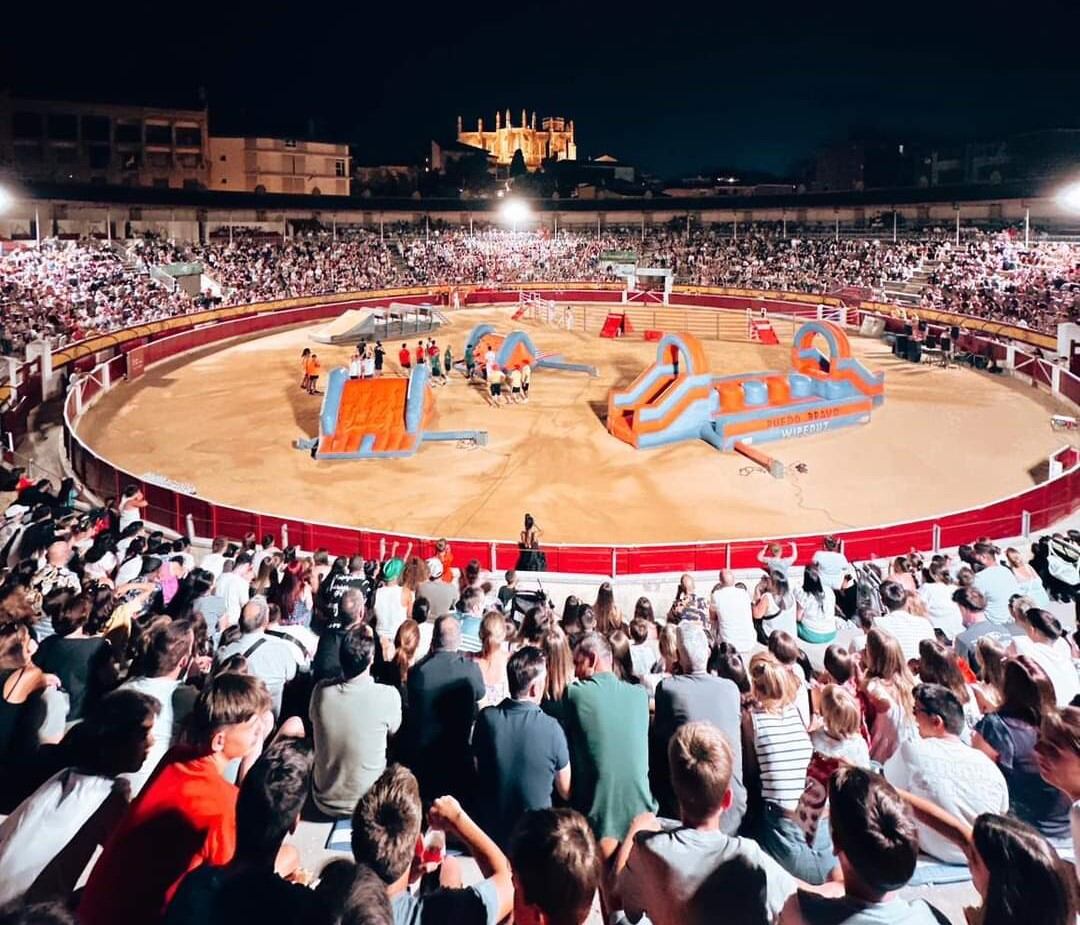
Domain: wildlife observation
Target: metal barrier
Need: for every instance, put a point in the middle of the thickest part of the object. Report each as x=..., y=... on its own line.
x=1031, y=510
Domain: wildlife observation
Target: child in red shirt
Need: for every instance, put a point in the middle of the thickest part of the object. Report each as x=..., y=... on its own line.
x=186, y=816
x=404, y=357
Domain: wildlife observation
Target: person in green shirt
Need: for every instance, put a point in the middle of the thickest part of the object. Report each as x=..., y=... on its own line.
x=448, y=361
x=470, y=361
x=607, y=724
x=436, y=367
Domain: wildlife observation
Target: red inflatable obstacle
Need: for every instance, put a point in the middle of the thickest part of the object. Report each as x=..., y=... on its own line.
x=616, y=325
x=761, y=330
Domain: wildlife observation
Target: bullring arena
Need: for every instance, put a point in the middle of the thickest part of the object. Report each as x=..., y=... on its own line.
x=553, y=456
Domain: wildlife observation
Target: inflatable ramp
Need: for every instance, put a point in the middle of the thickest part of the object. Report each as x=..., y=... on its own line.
x=399, y=320
x=374, y=418
x=677, y=398
x=516, y=349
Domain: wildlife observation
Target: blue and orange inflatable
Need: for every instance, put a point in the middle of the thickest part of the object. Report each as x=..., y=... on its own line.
x=515, y=349
x=678, y=398
x=377, y=418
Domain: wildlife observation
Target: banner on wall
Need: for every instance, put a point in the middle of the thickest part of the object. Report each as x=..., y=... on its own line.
x=136, y=363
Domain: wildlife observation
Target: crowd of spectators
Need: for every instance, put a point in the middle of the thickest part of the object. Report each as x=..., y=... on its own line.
x=64, y=290
x=798, y=746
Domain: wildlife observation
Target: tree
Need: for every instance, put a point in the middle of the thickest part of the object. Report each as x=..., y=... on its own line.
x=517, y=164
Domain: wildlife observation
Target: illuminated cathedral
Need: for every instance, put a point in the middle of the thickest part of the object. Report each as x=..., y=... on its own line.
x=554, y=139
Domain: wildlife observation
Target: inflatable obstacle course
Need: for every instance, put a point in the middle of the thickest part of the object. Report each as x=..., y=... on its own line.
x=516, y=349
x=375, y=418
x=678, y=397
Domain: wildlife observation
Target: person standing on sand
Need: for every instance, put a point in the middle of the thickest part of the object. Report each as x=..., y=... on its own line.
x=304, y=357
x=448, y=362
x=380, y=356
x=405, y=358
x=314, y=370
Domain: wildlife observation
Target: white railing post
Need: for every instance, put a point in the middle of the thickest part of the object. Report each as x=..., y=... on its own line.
x=1025, y=524
x=727, y=556
x=1055, y=378
x=936, y=541
x=491, y=555
x=190, y=521
x=614, y=563
x=284, y=536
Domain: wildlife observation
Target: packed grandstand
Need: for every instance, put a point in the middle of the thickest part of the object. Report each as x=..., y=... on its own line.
x=818, y=741
x=64, y=290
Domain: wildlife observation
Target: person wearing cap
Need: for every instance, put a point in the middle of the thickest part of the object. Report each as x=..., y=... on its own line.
x=393, y=603
x=440, y=595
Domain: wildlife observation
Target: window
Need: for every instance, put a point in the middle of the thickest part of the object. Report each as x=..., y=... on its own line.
x=161, y=182
x=188, y=136
x=66, y=154
x=28, y=155
x=339, y=168
x=158, y=134
x=26, y=125
x=63, y=127
x=131, y=160
x=191, y=184
x=290, y=142
x=222, y=158
x=95, y=128
x=99, y=156
x=129, y=133
x=158, y=159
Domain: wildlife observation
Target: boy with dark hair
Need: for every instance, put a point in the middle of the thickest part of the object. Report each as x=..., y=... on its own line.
x=877, y=847
x=556, y=867
x=248, y=889
x=159, y=674
x=186, y=816
x=386, y=836
x=46, y=843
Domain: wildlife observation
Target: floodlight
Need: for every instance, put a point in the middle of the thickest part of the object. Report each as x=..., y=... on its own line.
x=1068, y=197
x=514, y=211
x=6, y=199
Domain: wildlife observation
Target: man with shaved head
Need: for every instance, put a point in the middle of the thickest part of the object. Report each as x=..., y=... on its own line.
x=268, y=658
x=732, y=614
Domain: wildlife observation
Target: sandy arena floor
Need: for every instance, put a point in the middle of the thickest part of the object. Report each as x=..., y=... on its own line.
x=224, y=420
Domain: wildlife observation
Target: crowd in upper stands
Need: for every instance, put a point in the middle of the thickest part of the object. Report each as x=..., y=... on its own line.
x=801, y=746
x=64, y=290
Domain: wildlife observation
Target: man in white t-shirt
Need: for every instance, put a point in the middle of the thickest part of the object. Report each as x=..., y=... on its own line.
x=166, y=659
x=832, y=564
x=214, y=561
x=235, y=588
x=732, y=614
x=941, y=768
x=46, y=843
x=996, y=582
x=908, y=628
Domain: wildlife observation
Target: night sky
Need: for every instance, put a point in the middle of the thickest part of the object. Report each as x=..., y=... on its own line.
x=668, y=86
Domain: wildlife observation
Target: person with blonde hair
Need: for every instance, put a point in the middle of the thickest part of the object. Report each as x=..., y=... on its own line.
x=887, y=685
x=840, y=734
x=493, y=658
x=777, y=751
x=1028, y=580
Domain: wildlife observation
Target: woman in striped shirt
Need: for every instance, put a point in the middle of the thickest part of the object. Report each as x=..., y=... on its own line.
x=777, y=747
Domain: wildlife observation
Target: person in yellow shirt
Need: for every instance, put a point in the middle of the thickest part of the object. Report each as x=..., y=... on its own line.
x=515, y=385
x=495, y=383
x=526, y=378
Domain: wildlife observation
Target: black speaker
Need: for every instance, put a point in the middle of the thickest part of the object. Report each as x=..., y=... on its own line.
x=900, y=345
x=931, y=341
x=955, y=333
x=908, y=330
x=914, y=351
